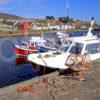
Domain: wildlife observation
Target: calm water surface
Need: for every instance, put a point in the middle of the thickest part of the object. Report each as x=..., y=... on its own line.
x=10, y=73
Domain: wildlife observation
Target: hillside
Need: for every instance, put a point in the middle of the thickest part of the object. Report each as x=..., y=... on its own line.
x=9, y=16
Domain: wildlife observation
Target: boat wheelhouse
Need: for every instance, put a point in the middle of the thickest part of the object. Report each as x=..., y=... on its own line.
x=24, y=48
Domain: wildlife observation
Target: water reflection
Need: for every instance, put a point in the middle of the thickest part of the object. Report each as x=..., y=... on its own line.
x=12, y=71
x=21, y=60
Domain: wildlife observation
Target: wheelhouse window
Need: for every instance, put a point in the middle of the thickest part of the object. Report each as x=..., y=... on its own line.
x=93, y=48
x=65, y=46
x=23, y=44
x=76, y=48
x=32, y=44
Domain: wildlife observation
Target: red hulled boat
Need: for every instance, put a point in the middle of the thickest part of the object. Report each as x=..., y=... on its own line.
x=24, y=49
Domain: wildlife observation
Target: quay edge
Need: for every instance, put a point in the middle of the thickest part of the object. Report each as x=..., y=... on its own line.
x=11, y=88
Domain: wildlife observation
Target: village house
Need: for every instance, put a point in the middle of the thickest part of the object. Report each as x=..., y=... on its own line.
x=68, y=26
x=83, y=27
x=38, y=25
x=52, y=26
x=5, y=26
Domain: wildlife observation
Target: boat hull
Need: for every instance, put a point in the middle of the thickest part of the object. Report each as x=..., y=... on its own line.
x=23, y=52
x=42, y=70
x=49, y=61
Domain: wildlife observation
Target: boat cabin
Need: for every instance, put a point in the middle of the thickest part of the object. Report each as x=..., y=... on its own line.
x=82, y=44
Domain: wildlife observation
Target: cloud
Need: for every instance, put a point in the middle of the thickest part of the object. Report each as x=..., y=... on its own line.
x=37, y=2
x=5, y=8
x=3, y=4
x=4, y=0
x=2, y=8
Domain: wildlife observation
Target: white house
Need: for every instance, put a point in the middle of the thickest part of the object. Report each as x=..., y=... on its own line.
x=36, y=27
x=83, y=26
x=52, y=26
x=69, y=26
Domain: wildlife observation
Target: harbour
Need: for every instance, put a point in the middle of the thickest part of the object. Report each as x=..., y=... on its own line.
x=13, y=69
x=10, y=71
x=49, y=50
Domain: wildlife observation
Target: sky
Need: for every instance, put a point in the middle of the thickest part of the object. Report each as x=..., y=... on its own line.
x=78, y=9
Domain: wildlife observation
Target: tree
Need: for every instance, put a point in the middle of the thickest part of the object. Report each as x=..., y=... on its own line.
x=66, y=19
x=50, y=17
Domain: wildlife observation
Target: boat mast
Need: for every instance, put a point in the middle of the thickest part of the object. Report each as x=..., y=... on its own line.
x=67, y=17
x=67, y=6
x=91, y=27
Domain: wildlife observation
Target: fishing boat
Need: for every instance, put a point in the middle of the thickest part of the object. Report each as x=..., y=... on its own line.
x=26, y=48
x=57, y=59
x=35, y=44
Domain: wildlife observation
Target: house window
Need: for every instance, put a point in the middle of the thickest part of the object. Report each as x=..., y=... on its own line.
x=32, y=44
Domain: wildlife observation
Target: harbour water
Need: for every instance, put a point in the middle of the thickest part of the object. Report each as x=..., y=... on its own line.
x=10, y=72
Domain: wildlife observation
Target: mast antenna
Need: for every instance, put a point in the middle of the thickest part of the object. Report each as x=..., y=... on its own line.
x=67, y=8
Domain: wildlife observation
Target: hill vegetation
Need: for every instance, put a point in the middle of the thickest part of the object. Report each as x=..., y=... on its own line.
x=5, y=16
x=79, y=24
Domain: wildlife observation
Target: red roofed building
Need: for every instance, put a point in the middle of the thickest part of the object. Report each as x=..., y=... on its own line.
x=25, y=26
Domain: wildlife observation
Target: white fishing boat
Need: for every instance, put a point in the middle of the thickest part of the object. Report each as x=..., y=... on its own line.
x=57, y=59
